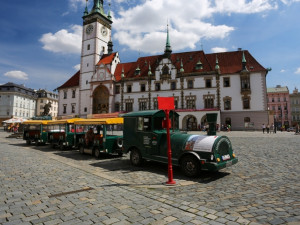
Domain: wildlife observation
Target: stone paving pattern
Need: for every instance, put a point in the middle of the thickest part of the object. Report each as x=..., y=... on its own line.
x=40, y=185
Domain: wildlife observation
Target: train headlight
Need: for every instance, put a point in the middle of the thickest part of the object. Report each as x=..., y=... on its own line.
x=212, y=157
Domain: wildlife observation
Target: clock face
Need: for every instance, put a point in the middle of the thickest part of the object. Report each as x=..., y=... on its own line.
x=89, y=29
x=104, y=31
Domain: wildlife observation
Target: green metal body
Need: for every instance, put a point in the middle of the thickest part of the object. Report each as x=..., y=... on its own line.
x=103, y=142
x=61, y=135
x=35, y=133
x=151, y=141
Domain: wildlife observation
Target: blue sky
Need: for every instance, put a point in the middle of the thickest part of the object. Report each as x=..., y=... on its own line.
x=40, y=41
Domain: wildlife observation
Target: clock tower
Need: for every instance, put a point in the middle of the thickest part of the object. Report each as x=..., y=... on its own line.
x=95, y=38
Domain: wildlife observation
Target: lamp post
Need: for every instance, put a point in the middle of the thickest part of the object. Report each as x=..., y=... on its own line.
x=149, y=86
x=122, y=90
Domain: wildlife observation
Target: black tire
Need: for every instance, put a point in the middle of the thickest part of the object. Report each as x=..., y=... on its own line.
x=28, y=142
x=97, y=153
x=81, y=149
x=53, y=145
x=136, y=157
x=61, y=146
x=190, y=166
x=120, y=154
x=37, y=143
x=120, y=142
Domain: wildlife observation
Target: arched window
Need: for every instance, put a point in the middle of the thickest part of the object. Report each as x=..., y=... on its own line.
x=165, y=70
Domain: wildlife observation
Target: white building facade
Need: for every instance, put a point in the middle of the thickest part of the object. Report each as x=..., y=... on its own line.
x=231, y=84
x=17, y=101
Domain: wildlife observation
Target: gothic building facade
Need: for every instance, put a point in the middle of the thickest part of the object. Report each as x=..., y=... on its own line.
x=231, y=84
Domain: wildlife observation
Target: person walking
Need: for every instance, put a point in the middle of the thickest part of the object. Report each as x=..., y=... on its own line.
x=268, y=128
x=272, y=128
x=263, y=128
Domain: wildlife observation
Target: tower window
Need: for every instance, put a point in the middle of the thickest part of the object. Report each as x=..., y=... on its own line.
x=88, y=47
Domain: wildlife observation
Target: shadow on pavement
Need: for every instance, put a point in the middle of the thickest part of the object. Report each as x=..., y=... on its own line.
x=124, y=166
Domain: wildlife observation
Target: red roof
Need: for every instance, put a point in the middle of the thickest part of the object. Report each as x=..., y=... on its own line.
x=107, y=59
x=72, y=82
x=229, y=62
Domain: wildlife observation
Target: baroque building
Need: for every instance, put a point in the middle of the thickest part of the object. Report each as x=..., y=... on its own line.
x=45, y=97
x=295, y=107
x=231, y=84
x=279, y=106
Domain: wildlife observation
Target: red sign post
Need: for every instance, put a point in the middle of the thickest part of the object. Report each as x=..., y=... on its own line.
x=167, y=104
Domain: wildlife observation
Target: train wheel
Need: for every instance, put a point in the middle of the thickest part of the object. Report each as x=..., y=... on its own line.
x=190, y=166
x=136, y=157
x=97, y=153
x=81, y=149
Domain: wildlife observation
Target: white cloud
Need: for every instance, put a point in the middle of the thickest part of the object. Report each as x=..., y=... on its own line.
x=17, y=75
x=143, y=27
x=288, y=2
x=218, y=49
x=75, y=3
x=77, y=67
x=63, y=41
x=244, y=6
x=282, y=71
x=140, y=25
x=297, y=71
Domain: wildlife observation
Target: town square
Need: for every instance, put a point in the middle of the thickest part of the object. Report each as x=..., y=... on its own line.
x=40, y=185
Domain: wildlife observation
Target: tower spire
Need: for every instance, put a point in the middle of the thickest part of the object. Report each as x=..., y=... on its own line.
x=98, y=7
x=86, y=12
x=108, y=14
x=110, y=45
x=168, y=49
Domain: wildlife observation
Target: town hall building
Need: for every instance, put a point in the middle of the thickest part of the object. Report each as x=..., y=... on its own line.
x=231, y=84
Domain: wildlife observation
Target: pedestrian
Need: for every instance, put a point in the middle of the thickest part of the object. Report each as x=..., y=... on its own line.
x=229, y=127
x=272, y=128
x=263, y=127
x=268, y=128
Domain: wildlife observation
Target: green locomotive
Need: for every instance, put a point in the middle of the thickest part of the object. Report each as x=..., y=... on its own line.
x=145, y=138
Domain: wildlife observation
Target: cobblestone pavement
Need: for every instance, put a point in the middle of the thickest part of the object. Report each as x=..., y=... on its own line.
x=40, y=185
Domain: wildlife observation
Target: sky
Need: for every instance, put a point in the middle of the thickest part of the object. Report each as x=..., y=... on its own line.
x=40, y=41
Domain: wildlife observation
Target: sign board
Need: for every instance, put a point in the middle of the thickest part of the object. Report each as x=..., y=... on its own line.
x=166, y=103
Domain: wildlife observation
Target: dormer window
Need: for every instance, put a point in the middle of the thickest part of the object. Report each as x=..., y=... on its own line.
x=138, y=71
